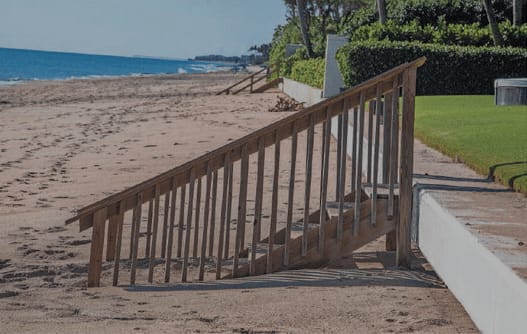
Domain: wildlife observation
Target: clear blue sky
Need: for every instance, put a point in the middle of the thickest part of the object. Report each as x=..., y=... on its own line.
x=163, y=28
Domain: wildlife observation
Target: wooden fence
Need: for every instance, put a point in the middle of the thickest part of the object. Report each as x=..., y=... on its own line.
x=210, y=216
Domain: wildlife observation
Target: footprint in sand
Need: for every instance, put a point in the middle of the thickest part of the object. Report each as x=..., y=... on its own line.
x=55, y=229
x=4, y=263
x=7, y=294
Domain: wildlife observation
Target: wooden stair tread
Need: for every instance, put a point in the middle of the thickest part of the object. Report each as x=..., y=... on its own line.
x=383, y=190
x=332, y=208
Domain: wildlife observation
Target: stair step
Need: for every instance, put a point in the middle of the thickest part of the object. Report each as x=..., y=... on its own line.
x=332, y=208
x=262, y=247
x=383, y=190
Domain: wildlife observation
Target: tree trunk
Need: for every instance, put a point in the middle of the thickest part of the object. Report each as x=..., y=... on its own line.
x=301, y=8
x=493, y=24
x=517, y=12
x=381, y=8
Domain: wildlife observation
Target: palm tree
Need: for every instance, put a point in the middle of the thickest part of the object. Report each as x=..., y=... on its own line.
x=304, y=27
x=494, y=29
x=517, y=11
x=381, y=8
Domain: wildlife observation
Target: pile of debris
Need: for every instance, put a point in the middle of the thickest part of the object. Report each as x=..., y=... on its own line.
x=286, y=104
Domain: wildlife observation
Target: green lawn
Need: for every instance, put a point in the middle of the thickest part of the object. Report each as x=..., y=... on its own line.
x=479, y=133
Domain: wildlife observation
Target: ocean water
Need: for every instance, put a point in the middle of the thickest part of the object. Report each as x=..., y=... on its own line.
x=17, y=65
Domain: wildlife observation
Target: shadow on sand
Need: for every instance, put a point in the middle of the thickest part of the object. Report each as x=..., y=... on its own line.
x=327, y=277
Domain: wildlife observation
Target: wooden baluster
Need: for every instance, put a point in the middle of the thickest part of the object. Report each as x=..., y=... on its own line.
x=223, y=213
x=307, y=197
x=155, y=216
x=165, y=225
x=354, y=150
x=118, y=218
x=257, y=223
x=290, y=198
x=155, y=224
x=342, y=170
x=132, y=238
x=260, y=178
x=387, y=130
x=339, y=156
x=111, y=237
x=96, y=247
x=168, y=260
x=358, y=174
x=371, y=105
x=203, y=257
x=149, y=227
x=228, y=214
x=406, y=170
x=242, y=205
x=326, y=135
x=181, y=220
x=213, y=212
x=373, y=203
x=394, y=146
x=188, y=226
x=137, y=228
x=391, y=238
x=274, y=204
x=196, y=221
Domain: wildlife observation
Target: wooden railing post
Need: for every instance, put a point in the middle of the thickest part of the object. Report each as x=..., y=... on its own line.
x=406, y=168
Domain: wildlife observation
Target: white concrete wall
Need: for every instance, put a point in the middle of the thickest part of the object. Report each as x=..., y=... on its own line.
x=301, y=92
x=333, y=81
x=492, y=294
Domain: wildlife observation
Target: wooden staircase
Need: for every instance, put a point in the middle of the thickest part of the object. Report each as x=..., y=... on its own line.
x=238, y=210
x=250, y=81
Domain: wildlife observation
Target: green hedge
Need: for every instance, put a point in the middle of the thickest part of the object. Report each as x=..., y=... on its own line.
x=451, y=11
x=451, y=34
x=448, y=70
x=310, y=72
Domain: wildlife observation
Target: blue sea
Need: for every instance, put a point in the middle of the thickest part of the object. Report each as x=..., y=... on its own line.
x=17, y=65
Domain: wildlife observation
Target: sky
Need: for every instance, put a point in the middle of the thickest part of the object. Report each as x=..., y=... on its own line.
x=158, y=28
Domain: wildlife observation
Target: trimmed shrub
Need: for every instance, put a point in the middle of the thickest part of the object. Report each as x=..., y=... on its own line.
x=449, y=70
x=310, y=72
x=450, y=34
x=450, y=11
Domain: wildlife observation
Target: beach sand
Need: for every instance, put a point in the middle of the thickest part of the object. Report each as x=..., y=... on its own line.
x=66, y=144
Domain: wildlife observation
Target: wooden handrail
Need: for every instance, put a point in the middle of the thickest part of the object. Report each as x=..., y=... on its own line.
x=166, y=184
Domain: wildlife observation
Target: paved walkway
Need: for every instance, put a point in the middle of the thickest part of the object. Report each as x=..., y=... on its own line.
x=494, y=214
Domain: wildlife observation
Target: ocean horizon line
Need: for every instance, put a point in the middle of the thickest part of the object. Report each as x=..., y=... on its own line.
x=21, y=65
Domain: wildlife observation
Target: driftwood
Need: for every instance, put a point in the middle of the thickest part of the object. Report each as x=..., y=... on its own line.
x=286, y=104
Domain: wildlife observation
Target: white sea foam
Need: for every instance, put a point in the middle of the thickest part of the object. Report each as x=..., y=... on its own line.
x=10, y=82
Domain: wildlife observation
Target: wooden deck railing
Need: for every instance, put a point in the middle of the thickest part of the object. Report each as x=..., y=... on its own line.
x=203, y=206
x=251, y=80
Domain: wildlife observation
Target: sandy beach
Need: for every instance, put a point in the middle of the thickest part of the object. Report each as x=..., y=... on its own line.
x=66, y=144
